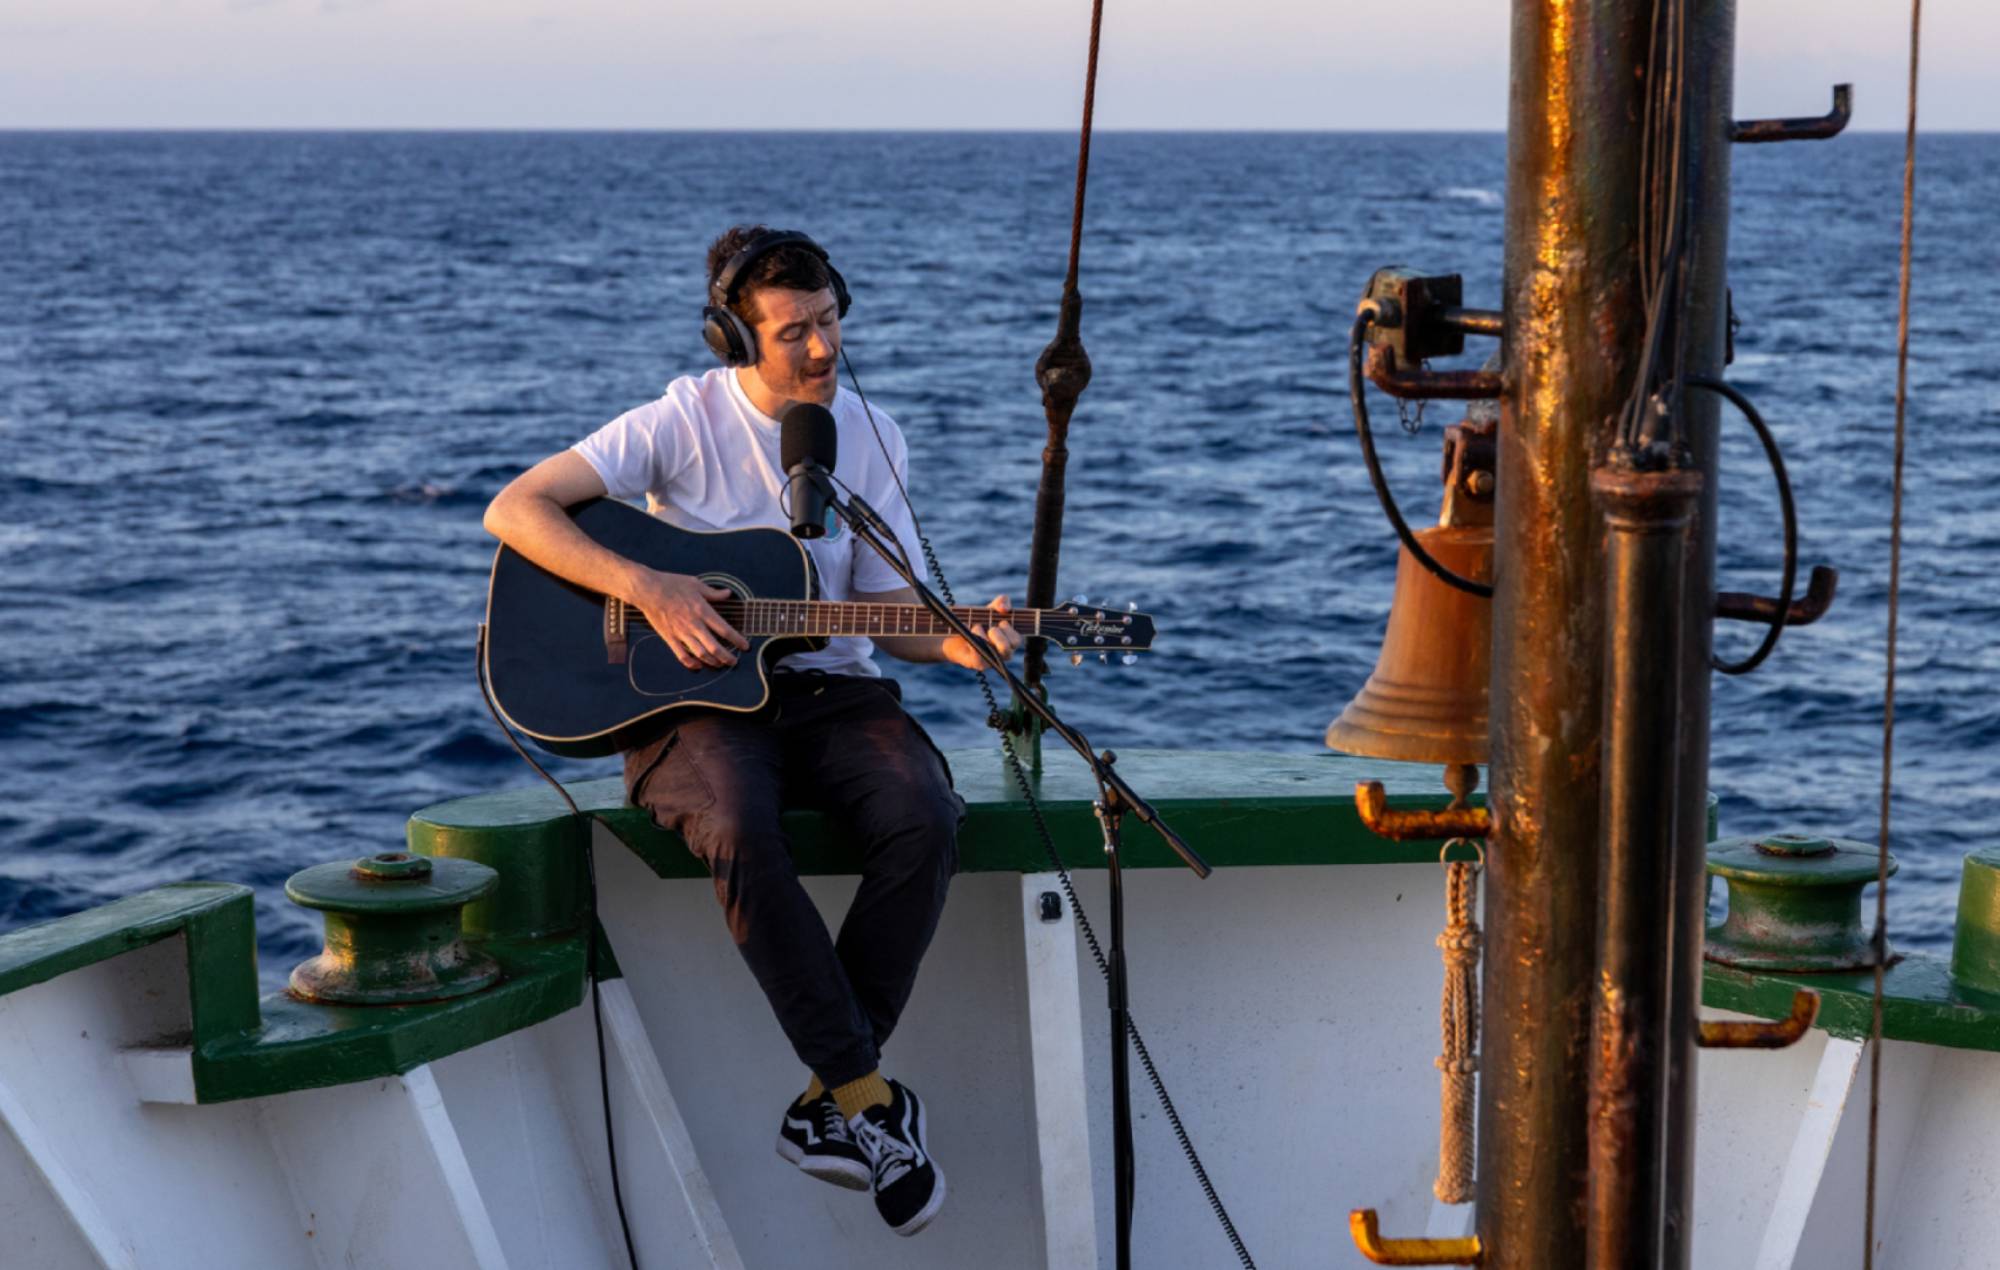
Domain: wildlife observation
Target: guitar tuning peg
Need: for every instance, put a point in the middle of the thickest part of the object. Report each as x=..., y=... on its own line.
x=1104, y=659
x=1076, y=659
x=1129, y=659
x=1132, y=606
x=1079, y=598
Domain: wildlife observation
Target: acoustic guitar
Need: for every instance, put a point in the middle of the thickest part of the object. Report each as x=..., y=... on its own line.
x=583, y=674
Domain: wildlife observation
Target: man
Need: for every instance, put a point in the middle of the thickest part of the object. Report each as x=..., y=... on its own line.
x=833, y=736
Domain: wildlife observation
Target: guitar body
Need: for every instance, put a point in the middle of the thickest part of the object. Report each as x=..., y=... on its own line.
x=551, y=654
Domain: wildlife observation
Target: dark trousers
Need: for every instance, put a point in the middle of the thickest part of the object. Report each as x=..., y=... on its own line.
x=841, y=744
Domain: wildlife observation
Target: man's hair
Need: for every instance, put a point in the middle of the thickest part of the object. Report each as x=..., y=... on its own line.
x=793, y=267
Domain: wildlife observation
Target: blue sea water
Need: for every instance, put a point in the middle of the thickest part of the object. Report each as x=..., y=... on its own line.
x=256, y=389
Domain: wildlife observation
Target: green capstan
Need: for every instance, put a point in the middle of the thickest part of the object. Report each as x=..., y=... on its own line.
x=1794, y=902
x=393, y=930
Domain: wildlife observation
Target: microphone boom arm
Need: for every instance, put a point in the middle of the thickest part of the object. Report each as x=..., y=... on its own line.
x=869, y=527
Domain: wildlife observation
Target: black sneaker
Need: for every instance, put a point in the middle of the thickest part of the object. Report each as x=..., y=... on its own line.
x=909, y=1189
x=815, y=1137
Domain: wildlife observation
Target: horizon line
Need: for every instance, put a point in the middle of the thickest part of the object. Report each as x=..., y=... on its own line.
x=627, y=129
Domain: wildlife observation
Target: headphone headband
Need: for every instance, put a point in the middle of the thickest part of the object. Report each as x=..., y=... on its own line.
x=722, y=291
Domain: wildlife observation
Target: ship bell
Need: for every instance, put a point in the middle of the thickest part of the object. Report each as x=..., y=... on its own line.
x=1425, y=702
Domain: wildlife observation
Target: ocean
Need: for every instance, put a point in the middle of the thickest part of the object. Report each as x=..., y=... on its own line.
x=256, y=389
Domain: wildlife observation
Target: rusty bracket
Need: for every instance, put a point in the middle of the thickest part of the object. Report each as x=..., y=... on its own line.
x=1742, y=606
x=1371, y=802
x=1366, y=1228
x=1759, y=1035
x=1429, y=385
x=1812, y=128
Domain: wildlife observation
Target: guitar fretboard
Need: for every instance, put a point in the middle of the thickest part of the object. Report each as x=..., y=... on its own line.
x=845, y=617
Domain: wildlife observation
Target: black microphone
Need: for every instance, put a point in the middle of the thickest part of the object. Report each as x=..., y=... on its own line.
x=807, y=448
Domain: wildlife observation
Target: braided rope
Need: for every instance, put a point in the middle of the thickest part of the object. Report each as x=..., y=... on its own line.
x=1458, y=1022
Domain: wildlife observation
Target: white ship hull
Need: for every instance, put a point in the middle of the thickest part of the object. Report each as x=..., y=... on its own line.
x=1291, y=1009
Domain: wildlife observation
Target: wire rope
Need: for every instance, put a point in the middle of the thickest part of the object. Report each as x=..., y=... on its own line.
x=1879, y=942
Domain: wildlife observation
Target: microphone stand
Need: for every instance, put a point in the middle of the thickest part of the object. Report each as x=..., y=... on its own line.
x=1114, y=801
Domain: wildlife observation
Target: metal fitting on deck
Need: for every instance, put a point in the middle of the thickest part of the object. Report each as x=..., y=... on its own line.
x=1794, y=903
x=393, y=933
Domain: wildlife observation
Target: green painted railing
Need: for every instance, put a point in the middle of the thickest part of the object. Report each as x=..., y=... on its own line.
x=1239, y=810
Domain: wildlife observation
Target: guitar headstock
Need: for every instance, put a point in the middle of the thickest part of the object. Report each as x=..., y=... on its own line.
x=1081, y=627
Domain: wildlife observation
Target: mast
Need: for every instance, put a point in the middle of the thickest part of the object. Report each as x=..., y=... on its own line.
x=1573, y=331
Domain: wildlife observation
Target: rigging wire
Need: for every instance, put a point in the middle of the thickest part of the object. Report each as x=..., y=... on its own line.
x=1879, y=942
x=1063, y=372
x=1663, y=235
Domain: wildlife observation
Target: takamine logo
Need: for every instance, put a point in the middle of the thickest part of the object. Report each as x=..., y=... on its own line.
x=1088, y=626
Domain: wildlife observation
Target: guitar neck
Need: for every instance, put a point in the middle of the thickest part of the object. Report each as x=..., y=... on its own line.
x=846, y=617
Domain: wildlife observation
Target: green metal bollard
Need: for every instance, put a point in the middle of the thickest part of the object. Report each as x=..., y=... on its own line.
x=1794, y=902
x=392, y=930
x=1975, y=944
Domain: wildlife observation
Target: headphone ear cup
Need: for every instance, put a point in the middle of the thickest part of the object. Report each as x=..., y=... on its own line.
x=728, y=337
x=840, y=296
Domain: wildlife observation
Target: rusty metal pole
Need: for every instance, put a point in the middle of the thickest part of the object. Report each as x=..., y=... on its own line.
x=1646, y=515
x=1573, y=323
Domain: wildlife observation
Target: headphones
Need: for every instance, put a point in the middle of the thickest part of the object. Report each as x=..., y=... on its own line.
x=727, y=335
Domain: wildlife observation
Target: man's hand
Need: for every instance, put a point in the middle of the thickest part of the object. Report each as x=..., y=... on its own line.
x=681, y=611
x=1001, y=635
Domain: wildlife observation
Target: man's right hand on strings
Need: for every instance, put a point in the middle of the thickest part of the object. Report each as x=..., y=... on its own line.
x=681, y=611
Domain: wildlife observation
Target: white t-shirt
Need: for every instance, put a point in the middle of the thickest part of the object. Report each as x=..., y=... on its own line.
x=705, y=458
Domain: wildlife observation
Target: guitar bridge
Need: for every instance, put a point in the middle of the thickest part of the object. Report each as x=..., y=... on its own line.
x=614, y=631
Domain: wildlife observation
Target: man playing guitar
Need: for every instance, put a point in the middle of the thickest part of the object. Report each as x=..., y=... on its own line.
x=832, y=736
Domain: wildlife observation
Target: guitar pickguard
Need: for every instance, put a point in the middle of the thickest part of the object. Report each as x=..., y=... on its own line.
x=653, y=671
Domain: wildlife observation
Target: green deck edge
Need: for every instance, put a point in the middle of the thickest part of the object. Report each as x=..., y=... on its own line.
x=1239, y=810
x=243, y=1047
x=305, y=1046
x=1920, y=1003
x=218, y=919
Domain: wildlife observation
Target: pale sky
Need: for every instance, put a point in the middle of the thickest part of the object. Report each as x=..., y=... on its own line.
x=785, y=64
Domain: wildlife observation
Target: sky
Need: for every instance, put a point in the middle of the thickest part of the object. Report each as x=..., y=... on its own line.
x=887, y=64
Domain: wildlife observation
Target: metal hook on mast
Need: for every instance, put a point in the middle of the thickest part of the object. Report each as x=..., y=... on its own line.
x=1366, y=1228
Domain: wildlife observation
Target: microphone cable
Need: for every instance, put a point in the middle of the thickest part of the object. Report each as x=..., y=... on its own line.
x=589, y=935
x=997, y=720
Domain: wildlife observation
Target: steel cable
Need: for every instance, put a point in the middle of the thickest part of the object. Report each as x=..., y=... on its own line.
x=1880, y=940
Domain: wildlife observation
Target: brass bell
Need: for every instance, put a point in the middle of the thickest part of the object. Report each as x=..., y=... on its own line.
x=1426, y=700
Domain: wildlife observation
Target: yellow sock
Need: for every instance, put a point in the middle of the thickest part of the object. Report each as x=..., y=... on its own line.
x=857, y=1096
x=813, y=1091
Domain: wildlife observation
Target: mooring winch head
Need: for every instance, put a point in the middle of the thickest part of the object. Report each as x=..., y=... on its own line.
x=393, y=930
x=1794, y=902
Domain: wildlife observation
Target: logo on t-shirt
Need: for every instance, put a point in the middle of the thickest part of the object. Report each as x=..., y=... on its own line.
x=834, y=529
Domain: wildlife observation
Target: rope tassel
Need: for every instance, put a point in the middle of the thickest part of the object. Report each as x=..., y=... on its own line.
x=1458, y=1022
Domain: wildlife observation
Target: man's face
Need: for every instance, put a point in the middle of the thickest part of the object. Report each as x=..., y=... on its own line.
x=798, y=343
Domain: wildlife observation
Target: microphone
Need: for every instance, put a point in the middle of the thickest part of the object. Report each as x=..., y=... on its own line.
x=807, y=447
